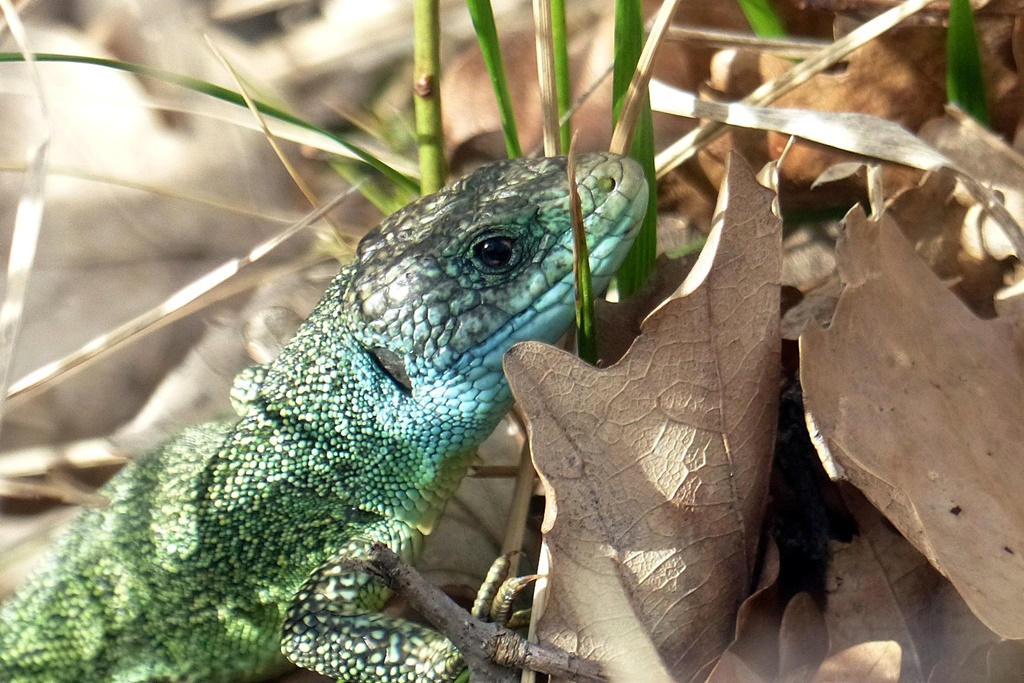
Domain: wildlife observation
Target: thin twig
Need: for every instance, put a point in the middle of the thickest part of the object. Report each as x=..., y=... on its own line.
x=271, y=139
x=29, y=215
x=796, y=48
x=546, y=75
x=636, y=94
x=172, y=309
x=488, y=649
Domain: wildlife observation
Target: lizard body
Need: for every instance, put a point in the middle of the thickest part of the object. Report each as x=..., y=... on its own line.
x=227, y=546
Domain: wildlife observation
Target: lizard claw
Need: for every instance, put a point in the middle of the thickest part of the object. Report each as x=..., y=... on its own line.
x=498, y=593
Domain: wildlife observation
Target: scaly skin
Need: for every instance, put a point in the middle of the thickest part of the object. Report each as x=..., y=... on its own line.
x=227, y=546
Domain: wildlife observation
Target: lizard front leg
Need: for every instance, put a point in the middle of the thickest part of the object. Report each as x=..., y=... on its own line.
x=334, y=627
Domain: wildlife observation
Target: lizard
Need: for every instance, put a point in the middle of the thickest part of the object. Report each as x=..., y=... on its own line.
x=227, y=551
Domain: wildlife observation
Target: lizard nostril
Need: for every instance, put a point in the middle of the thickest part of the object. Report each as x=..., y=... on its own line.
x=606, y=183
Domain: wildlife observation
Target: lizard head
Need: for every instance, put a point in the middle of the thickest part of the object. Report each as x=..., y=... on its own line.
x=445, y=286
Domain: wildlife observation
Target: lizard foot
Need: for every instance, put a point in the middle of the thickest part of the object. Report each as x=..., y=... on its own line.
x=498, y=593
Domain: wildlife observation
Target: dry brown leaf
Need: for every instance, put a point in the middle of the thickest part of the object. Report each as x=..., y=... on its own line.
x=732, y=669
x=915, y=401
x=803, y=640
x=932, y=215
x=899, y=76
x=814, y=308
x=988, y=159
x=874, y=662
x=756, y=644
x=881, y=588
x=774, y=642
x=931, y=218
x=656, y=469
x=998, y=662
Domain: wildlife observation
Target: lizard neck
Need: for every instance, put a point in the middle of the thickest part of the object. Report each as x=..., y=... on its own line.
x=330, y=428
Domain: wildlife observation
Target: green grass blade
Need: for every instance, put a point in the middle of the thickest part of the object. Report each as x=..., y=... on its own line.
x=563, y=84
x=387, y=199
x=965, y=81
x=762, y=18
x=427, y=94
x=629, y=43
x=487, y=36
x=639, y=262
x=224, y=95
x=586, y=337
x=629, y=37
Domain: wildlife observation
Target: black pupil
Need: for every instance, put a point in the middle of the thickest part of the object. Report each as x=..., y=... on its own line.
x=494, y=252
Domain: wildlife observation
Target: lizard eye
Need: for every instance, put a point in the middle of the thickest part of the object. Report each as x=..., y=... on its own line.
x=495, y=252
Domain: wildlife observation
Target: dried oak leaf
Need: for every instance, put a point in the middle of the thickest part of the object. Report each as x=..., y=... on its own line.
x=874, y=662
x=899, y=76
x=803, y=640
x=775, y=641
x=732, y=669
x=881, y=588
x=756, y=643
x=656, y=469
x=999, y=662
x=915, y=401
x=987, y=158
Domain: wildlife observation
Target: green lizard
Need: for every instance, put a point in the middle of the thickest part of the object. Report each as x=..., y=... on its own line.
x=223, y=552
